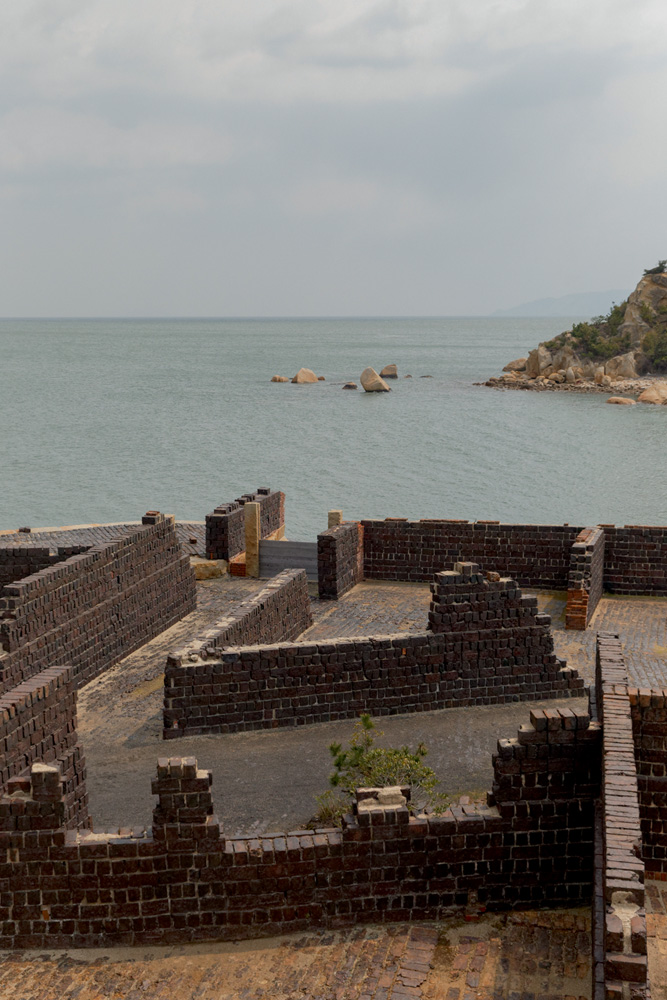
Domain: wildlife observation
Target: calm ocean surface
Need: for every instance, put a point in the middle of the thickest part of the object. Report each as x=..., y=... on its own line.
x=102, y=420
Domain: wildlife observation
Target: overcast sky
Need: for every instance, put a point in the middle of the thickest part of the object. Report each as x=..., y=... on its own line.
x=327, y=157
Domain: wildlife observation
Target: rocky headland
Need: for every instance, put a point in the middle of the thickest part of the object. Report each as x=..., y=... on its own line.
x=624, y=351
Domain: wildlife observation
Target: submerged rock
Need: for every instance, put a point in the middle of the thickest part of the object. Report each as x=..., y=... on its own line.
x=371, y=381
x=350, y=385
x=280, y=378
x=656, y=393
x=621, y=401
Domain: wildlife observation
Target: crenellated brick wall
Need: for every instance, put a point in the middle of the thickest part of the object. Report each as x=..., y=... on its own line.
x=532, y=844
x=225, y=526
x=96, y=607
x=198, y=691
x=340, y=559
x=486, y=644
x=585, y=579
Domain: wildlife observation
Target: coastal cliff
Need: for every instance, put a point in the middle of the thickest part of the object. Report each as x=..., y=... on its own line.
x=623, y=350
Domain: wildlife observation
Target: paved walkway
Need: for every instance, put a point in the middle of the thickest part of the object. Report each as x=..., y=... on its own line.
x=525, y=956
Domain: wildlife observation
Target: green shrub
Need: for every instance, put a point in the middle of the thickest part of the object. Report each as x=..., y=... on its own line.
x=655, y=347
x=647, y=314
x=364, y=765
x=659, y=268
x=599, y=338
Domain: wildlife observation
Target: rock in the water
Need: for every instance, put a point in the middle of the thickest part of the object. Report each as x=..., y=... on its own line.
x=279, y=378
x=516, y=366
x=389, y=371
x=350, y=385
x=304, y=375
x=426, y=376
x=656, y=393
x=371, y=381
x=321, y=378
x=407, y=376
x=621, y=401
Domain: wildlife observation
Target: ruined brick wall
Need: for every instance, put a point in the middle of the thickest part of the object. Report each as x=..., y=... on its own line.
x=619, y=932
x=649, y=721
x=534, y=555
x=96, y=607
x=225, y=526
x=635, y=559
x=504, y=654
x=584, y=585
x=38, y=724
x=340, y=559
x=532, y=844
x=197, y=688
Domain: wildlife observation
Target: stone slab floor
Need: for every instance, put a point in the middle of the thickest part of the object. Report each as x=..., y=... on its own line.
x=526, y=956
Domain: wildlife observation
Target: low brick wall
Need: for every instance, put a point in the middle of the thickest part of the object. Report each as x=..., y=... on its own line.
x=584, y=585
x=340, y=560
x=38, y=724
x=195, y=690
x=620, y=957
x=635, y=559
x=96, y=607
x=536, y=555
x=18, y=561
x=184, y=881
x=486, y=644
x=225, y=526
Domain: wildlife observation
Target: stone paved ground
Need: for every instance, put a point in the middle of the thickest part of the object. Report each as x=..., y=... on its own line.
x=527, y=956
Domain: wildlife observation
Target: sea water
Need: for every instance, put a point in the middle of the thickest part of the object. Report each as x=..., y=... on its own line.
x=102, y=420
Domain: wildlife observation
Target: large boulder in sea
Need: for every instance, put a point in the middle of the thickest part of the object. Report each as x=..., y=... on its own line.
x=539, y=362
x=516, y=366
x=656, y=393
x=621, y=401
x=304, y=376
x=389, y=371
x=371, y=381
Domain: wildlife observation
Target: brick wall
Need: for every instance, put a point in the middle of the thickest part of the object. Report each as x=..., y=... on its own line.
x=96, y=607
x=532, y=844
x=225, y=527
x=38, y=724
x=620, y=938
x=584, y=585
x=340, y=559
x=198, y=690
x=635, y=559
x=505, y=654
x=535, y=555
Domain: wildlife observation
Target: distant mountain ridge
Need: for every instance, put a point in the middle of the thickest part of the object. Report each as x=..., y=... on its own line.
x=578, y=304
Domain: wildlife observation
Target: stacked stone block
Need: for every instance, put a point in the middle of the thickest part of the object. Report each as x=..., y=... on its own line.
x=95, y=607
x=498, y=646
x=620, y=937
x=340, y=562
x=584, y=585
x=225, y=526
x=196, y=684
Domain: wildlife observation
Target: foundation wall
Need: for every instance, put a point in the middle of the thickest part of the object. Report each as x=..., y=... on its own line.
x=96, y=607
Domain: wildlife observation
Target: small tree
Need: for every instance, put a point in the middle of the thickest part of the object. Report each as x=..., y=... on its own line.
x=659, y=268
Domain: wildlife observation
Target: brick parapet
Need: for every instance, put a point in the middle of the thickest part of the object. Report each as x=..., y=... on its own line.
x=585, y=579
x=194, y=677
x=624, y=938
x=97, y=606
x=340, y=559
x=225, y=526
